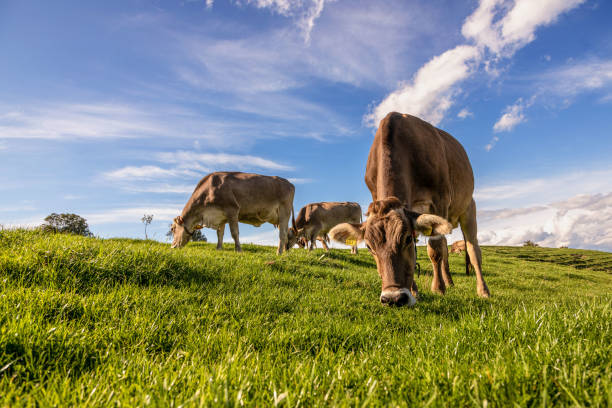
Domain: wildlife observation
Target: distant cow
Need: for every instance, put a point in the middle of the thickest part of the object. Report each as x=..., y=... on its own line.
x=458, y=247
x=233, y=197
x=316, y=219
x=420, y=178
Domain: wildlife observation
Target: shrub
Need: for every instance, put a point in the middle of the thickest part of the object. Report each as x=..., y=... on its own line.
x=66, y=223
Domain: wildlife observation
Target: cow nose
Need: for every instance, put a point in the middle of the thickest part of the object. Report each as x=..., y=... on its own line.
x=397, y=298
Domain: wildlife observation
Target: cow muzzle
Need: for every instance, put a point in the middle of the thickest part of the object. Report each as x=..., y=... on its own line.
x=398, y=298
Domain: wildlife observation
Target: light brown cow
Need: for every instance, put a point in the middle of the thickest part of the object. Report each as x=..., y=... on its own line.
x=419, y=177
x=233, y=197
x=456, y=248
x=316, y=219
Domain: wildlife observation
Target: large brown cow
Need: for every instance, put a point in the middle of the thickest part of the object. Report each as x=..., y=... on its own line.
x=419, y=177
x=316, y=219
x=233, y=197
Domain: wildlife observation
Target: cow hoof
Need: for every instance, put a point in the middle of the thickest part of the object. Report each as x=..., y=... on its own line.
x=484, y=292
x=438, y=291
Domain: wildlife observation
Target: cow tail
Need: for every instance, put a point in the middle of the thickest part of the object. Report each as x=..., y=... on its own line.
x=467, y=257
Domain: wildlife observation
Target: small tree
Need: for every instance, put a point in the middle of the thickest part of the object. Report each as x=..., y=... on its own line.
x=66, y=223
x=198, y=235
x=146, y=220
x=530, y=243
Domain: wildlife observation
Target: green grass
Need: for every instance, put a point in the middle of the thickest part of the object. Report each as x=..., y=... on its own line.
x=92, y=322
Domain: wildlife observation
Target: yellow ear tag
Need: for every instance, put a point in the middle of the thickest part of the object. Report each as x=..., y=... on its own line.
x=351, y=242
x=198, y=227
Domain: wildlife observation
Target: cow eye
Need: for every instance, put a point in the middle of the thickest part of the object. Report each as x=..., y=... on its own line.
x=409, y=239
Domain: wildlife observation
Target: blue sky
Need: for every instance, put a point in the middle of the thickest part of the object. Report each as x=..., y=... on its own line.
x=115, y=109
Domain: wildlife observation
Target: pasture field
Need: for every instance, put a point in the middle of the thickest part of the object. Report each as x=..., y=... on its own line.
x=118, y=322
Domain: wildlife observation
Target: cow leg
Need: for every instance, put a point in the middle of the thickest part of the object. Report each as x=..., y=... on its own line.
x=234, y=230
x=283, y=231
x=354, y=249
x=469, y=228
x=325, y=247
x=220, y=232
x=446, y=276
x=436, y=255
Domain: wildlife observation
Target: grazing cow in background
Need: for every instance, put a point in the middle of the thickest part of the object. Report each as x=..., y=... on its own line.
x=457, y=247
x=233, y=197
x=303, y=242
x=316, y=219
x=420, y=178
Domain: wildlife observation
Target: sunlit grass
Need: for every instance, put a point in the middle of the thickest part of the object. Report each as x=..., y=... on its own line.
x=125, y=322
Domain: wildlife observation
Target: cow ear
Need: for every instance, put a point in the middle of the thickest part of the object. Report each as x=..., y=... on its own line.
x=347, y=232
x=198, y=227
x=429, y=224
x=178, y=220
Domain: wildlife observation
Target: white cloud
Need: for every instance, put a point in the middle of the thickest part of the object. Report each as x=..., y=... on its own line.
x=209, y=3
x=213, y=160
x=298, y=180
x=3, y=145
x=146, y=173
x=565, y=83
x=563, y=209
x=499, y=26
x=430, y=93
x=492, y=143
x=582, y=221
x=465, y=113
x=513, y=115
x=187, y=166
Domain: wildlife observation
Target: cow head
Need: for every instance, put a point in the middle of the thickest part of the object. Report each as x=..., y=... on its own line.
x=180, y=232
x=389, y=233
x=294, y=236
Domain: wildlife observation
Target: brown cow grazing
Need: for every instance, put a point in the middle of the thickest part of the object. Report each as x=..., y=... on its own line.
x=419, y=177
x=233, y=197
x=303, y=242
x=457, y=247
x=316, y=219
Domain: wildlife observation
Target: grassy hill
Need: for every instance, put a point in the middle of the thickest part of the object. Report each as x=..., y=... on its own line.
x=94, y=322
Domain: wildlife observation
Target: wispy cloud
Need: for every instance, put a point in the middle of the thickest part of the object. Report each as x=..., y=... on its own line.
x=495, y=30
x=212, y=160
x=78, y=121
x=146, y=173
x=186, y=166
x=132, y=214
x=465, y=113
x=560, y=84
x=513, y=115
x=535, y=191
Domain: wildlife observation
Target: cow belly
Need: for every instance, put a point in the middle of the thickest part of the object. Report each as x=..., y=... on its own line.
x=259, y=217
x=213, y=218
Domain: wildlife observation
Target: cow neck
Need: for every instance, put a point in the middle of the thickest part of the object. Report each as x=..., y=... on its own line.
x=390, y=181
x=190, y=218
